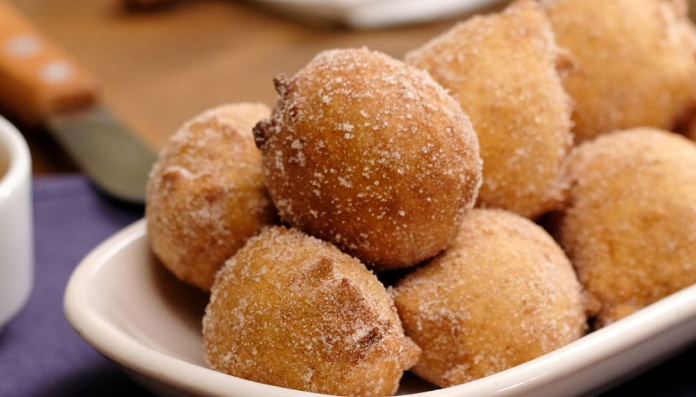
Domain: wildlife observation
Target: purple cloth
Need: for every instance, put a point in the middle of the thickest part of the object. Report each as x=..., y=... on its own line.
x=40, y=354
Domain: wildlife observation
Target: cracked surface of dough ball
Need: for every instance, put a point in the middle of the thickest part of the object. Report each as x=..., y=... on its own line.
x=371, y=154
x=293, y=311
x=206, y=195
x=634, y=62
x=503, y=294
x=502, y=68
x=630, y=227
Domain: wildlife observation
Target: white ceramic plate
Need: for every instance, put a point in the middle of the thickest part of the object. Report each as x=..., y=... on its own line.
x=122, y=302
x=364, y=14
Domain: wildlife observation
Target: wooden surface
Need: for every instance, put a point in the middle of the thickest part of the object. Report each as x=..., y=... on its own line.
x=161, y=67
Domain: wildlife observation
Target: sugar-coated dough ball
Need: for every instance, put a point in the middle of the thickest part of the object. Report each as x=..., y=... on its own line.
x=634, y=62
x=502, y=68
x=371, y=154
x=293, y=311
x=206, y=195
x=630, y=227
x=503, y=294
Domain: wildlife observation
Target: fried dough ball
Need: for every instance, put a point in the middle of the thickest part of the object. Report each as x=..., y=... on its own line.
x=502, y=68
x=630, y=229
x=293, y=311
x=206, y=194
x=503, y=294
x=634, y=62
x=371, y=154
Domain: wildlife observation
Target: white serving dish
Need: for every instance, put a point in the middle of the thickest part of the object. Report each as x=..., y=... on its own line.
x=367, y=14
x=122, y=302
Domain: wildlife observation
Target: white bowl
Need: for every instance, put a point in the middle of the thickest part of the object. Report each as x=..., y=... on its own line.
x=123, y=302
x=369, y=14
x=16, y=238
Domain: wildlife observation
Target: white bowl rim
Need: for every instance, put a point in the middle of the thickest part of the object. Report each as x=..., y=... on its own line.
x=125, y=351
x=19, y=162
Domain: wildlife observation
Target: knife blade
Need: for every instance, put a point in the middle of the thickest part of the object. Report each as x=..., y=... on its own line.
x=40, y=83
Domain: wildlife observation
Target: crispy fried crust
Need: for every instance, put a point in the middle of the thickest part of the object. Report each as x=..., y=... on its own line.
x=503, y=294
x=293, y=311
x=634, y=62
x=630, y=229
x=206, y=194
x=371, y=154
x=502, y=68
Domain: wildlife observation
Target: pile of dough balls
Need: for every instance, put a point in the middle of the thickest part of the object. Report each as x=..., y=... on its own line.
x=370, y=166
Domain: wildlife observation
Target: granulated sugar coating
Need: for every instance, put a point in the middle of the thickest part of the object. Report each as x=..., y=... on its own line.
x=503, y=294
x=634, y=62
x=206, y=194
x=503, y=70
x=630, y=228
x=293, y=311
x=371, y=154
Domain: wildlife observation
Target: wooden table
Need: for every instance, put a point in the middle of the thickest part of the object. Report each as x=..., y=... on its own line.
x=163, y=66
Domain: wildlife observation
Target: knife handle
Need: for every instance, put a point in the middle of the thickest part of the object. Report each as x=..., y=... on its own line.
x=37, y=78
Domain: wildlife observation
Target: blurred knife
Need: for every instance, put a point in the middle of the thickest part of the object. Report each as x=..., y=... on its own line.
x=40, y=83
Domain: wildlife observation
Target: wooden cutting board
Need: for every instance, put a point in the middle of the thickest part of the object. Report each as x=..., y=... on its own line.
x=161, y=67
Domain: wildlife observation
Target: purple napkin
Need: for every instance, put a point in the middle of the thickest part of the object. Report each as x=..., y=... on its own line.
x=40, y=354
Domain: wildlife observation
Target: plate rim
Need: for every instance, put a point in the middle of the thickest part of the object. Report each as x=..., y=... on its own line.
x=108, y=339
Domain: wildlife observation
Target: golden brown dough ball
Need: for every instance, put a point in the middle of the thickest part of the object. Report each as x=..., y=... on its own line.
x=371, y=154
x=502, y=68
x=206, y=194
x=293, y=311
x=634, y=62
x=630, y=228
x=503, y=294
